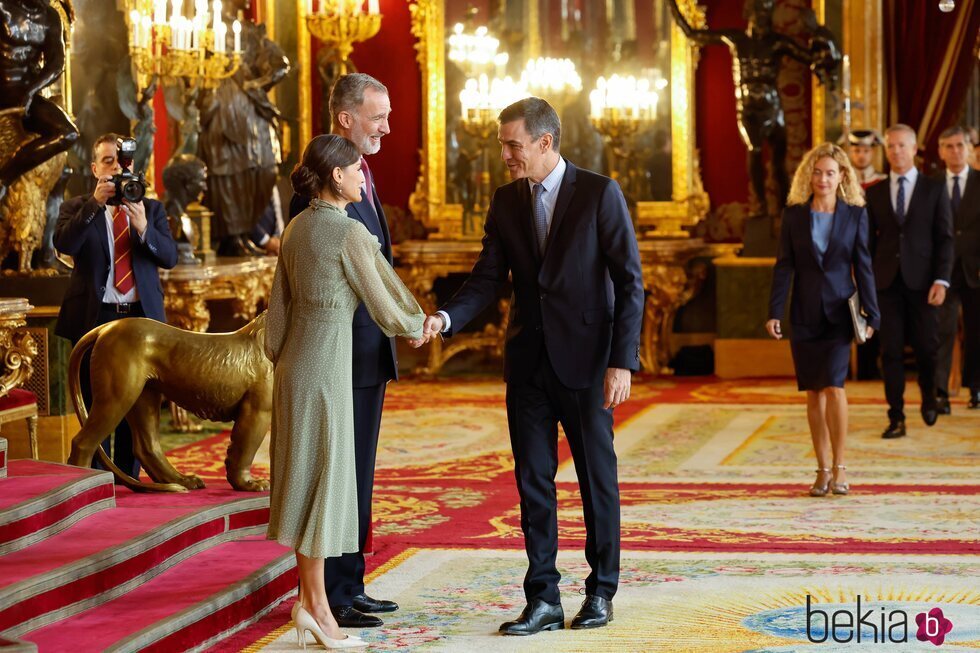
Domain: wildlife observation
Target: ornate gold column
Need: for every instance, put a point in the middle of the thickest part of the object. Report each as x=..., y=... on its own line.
x=305, y=66
x=864, y=44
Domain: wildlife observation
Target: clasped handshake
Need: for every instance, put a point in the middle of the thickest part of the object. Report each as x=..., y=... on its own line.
x=431, y=328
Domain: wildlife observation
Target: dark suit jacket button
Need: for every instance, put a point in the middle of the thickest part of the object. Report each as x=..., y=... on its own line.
x=102, y=289
x=537, y=328
x=543, y=295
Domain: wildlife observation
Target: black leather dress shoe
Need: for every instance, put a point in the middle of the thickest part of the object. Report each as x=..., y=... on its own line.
x=596, y=612
x=974, y=400
x=364, y=603
x=537, y=616
x=896, y=429
x=348, y=617
x=929, y=415
x=942, y=405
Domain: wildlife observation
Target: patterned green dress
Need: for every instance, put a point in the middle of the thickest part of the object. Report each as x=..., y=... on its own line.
x=328, y=263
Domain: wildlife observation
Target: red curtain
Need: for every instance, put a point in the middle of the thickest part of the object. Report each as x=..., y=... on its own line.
x=929, y=58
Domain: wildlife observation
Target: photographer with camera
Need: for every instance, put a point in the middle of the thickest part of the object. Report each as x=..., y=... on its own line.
x=118, y=240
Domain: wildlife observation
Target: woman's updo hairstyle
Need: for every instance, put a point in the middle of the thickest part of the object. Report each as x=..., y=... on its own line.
x=322, y=155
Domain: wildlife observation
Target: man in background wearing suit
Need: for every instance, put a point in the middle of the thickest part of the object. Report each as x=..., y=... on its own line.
x=912, y=246
x=117, y=250
x=360, y=106
x=963, y=186
x=267, y=232
x=564, y=235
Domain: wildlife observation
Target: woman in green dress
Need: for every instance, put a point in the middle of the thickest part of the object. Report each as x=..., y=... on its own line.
x=328, y=264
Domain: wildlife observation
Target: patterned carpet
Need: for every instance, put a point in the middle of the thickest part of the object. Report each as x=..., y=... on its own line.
x=721, y=544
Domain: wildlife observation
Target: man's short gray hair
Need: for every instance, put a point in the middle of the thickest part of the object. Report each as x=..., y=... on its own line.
x=539, y=117
x=956, y=130
x=902, y=127
x=347, y=93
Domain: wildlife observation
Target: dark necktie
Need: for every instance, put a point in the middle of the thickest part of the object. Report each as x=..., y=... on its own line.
x=540, y=217
x=900, y=201
x=368, y=183
x=955, y=198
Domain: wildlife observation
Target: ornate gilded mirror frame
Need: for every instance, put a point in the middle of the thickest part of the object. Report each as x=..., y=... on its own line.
x=654, y=219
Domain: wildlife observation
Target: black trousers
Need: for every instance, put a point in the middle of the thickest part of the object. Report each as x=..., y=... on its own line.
x=969, y=298
x=906, y=316
x=344, y=575
x=534, y=410
x=122, y=453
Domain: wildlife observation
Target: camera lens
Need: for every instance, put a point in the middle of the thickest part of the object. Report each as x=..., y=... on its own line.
x=133, y=190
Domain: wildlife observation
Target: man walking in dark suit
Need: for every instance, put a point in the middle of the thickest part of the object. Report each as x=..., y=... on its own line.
x=360, y=106
x=565, y=236
x=963, y=186
x=912, y=246
x=117, y=251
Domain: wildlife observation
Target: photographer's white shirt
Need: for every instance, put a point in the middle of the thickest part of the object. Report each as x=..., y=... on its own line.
x=112, y=294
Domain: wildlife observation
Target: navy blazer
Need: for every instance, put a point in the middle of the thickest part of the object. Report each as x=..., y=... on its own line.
x=582, y=302
x=81, y=233
x=821, y=289
x=921, y=248
x=374, y=359
x=966, y=229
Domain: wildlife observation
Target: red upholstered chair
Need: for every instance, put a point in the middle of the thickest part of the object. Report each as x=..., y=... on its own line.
x=21, y=404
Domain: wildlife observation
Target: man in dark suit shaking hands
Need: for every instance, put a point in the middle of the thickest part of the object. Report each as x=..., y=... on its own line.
x=963, y=187
x=912, y=246
x=565, y=236
x=360, y=107
x=117, y=248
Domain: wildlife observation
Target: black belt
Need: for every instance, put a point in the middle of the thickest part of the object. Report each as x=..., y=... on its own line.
x=122, y=308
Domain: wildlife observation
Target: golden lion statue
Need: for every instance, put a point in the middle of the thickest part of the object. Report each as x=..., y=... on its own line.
x=136, y=362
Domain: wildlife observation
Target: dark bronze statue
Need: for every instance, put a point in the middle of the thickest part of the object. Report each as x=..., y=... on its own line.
x=32, y=55
x=239, y=140
x=137, y=105
x=182, y=105
x=330, y=68
x=185, y=178
x=757, y=55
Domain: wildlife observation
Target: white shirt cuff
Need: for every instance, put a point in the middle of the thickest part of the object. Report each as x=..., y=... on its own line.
x=445, y=319
x=944, y=284
x=265, y=239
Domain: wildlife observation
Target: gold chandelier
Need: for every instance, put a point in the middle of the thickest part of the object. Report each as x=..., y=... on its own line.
x=191, y=48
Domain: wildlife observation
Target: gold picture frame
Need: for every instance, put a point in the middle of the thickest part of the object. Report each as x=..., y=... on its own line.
x=689, y=203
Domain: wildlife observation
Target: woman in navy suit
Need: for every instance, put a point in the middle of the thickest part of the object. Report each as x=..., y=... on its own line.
x=823, y=253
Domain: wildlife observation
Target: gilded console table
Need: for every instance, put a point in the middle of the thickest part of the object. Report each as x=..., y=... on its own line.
x=668, y=278
x=17, y=352
x=187, y=289
x=17, y=347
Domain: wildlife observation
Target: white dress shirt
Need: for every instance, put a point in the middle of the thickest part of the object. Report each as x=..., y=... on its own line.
x=112, y=294
x=549, y=197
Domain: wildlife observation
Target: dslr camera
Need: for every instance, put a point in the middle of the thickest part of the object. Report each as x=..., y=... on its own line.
x=129, y=186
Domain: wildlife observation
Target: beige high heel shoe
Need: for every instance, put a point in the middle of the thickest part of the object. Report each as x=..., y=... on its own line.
x=305, y=622
x=820, y=489
x=839, y=488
